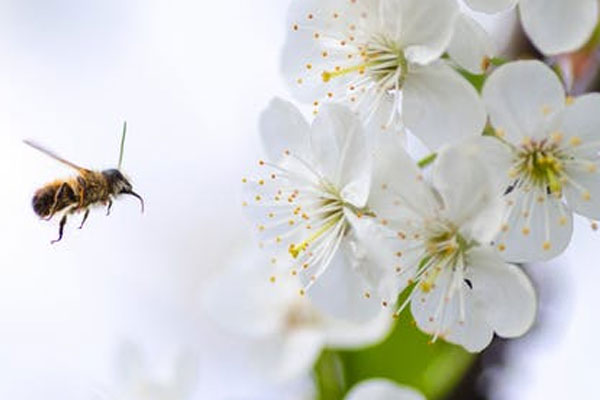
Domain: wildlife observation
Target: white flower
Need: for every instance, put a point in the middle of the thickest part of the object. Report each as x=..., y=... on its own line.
x=382, y=389
x=463, y=291
x=554, y=26
x=471, y=46
x=310, y=199
x=138, y=382
x=383, y=57
x=549, y=166
x=288, y=331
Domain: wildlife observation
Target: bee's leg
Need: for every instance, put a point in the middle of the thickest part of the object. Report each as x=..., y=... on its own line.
x=82, y=188
x=61, y=227
x=108, y=207
x=57, y=195
x=85, y=216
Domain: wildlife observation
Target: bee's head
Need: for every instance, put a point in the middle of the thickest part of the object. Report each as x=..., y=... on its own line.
x=119, y=184
x=116, y=181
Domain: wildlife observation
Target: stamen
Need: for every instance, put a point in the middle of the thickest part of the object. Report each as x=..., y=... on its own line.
x=294, y=250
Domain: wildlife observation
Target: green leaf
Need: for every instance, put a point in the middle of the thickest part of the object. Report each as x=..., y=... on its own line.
x=406, y=356
x=477, y=80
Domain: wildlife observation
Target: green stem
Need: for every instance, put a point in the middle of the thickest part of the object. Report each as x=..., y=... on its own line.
x=329, y=376
x=425, y=161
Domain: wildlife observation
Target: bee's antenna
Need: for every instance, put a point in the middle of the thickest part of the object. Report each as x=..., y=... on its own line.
x=122, y=145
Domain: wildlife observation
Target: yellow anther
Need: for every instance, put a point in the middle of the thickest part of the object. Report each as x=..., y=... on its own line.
x=562, y=221
x=295, y=250
x=526, y=231
x=485, y=63
x=575, y=141
x=426, y=287
x=569, y=100
x=556, y=137
x=546, y=110
x=546, y=246
x=586, y=196
x=501, y=247
x=272, y=279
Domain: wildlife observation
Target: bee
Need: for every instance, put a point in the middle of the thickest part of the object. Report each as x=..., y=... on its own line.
x=79, y=193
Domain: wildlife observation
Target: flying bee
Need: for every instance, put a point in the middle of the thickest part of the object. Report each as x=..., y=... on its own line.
x=77, y=194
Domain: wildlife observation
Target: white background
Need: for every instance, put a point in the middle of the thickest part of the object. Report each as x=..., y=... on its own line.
x=190, y=78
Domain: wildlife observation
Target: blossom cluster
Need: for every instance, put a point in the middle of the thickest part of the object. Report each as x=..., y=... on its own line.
x=359, y=230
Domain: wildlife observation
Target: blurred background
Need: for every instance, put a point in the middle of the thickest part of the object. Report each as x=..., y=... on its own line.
x=120, y=301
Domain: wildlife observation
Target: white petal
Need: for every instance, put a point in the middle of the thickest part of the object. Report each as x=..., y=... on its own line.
x=466, y=187
x=440, y=107
x=373, y=256
x=436, y=315
x=497, y=297
x=471, y=45
x=581, y=120
x=343, y=334
x=521, y=98
x=490, y=6
x=241, y=298
x=559, y=26
x=298, y=353
x=279, y=358
x=314, y=45
x=283, y=127
x=339, y=145
x=385, y=119
x=498, y=157
x=583, y=190
x=349, y=303
x=398, y=183
x=504, y=293
x=382, y=389
x=426, y=27
x=538, y=227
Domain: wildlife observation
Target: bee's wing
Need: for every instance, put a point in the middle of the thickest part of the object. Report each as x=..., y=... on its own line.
x=54, y=155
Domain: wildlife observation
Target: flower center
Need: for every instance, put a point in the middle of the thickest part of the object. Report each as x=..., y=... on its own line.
x=540, y=164
x=442, y=250
x=383, y=61
x=300, y=316
x=332, y=214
